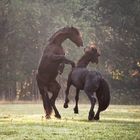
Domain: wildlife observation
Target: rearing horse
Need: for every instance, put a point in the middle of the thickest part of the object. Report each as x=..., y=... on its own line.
x=48, y=69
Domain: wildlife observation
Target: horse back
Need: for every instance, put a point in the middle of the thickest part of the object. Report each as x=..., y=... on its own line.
x=78, y=76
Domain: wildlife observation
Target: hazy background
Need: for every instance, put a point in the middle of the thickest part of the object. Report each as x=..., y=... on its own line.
x=26, y=25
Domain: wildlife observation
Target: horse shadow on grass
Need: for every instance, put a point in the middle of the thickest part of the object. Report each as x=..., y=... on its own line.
x=64, y=121
x=108, y=121
x=68, y=121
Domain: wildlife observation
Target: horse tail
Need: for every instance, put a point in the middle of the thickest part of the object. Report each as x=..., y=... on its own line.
x=103, y=95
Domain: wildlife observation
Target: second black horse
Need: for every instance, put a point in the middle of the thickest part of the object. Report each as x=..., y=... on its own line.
x=90, y=82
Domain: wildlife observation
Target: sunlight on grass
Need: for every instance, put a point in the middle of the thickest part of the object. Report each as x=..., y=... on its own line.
x=27, y=122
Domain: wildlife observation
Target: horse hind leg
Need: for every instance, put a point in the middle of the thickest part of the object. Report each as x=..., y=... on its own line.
x=76, y=99
x=45, y=98
x=91, y=112
x=92, y=101
x=46, y=103
x=97, y=116
x=54, y=88
x=103, y=96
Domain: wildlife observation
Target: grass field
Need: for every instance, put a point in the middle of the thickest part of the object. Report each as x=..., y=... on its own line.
x=26, y=122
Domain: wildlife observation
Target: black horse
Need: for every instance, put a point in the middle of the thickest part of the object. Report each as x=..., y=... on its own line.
x=90, y=82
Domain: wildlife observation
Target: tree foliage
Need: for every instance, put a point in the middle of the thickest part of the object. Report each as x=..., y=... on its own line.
x=25, y=26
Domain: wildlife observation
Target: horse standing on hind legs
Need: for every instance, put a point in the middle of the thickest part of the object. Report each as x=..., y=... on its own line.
x=90, y=82
x=50, y=64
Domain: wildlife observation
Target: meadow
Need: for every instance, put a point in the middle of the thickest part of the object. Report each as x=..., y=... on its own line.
x=27, y=122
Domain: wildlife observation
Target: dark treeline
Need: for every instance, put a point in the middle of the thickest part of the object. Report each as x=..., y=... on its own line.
x=26, y=25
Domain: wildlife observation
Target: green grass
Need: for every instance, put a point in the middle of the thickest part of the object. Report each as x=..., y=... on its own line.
x=26, y=122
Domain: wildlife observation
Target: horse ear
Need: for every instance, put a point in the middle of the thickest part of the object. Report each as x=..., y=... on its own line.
x=71, y=27
x=92, y=46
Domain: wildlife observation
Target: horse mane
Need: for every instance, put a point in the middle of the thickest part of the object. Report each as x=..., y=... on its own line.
x=66, y=29
x=80, y=61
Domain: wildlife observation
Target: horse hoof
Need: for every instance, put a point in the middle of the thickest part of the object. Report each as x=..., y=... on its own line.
x=91, y=116
x=47, y=117
x=76, y=111
x=58, y=116
x=96, y=118
x=65, y=105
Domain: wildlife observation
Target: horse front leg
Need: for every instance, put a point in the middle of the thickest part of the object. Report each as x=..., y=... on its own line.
x=76, y=99
x=61, y=68
x=54, y=88
x=62, y=59
x=67, y=92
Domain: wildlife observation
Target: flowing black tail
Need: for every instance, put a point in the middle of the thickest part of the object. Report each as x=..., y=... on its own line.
x=103, y=95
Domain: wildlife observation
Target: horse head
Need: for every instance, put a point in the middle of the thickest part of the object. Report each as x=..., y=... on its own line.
x=75, y=36
x=67, y=32
x=92, y=53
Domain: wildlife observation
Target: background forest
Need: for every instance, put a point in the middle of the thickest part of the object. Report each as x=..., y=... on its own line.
x=26, y=25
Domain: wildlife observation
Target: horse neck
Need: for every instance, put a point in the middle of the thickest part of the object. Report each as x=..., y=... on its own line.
x=58, y=38
x=83, y=62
